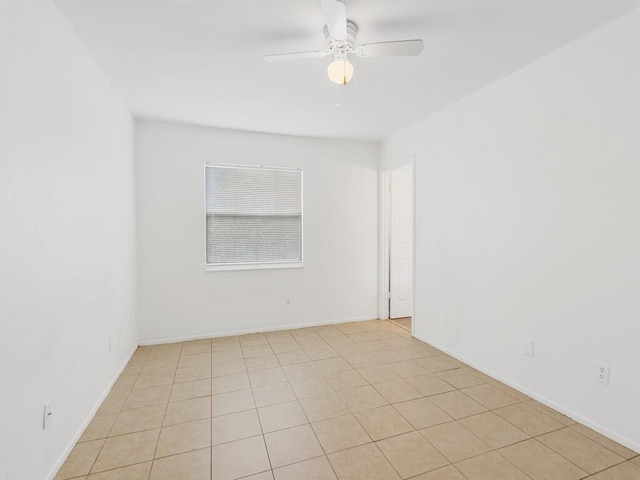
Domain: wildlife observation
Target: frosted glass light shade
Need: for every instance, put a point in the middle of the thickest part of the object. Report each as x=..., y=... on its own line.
x=340, y=71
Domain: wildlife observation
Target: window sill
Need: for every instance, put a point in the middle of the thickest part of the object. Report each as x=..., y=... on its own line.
x=251, y=266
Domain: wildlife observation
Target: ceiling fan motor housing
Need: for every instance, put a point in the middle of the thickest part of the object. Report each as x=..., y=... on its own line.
x=342, y=47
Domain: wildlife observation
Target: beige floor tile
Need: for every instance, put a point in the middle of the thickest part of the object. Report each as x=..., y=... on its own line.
x=162, y=365
x=310, y=387
x=457, y=404
x=636, y=460
x=281, y=416
x=99, y=427
x=332, y=365
x=80, y=460
x=273, y=394
x=383, y=422
x=422, y=413
x=290, y=358
x=256, y=351
x=323, y=407
x=155, y=379
x=286, y=347
x=493, y=429
x=314, y=469
x=267, y=376
x=446, y=473
x=528, y=419
x=146, y=397
x=439, y=363
x=227, y=368
x=345, y=380
x=189, y=374
x=184, y=437
x=196, y=346
x=460, y=378
x=226, y=355
x=362, y=360
x=253, y=339
x=378, y=374
x=230, y=383
x=362, y=398
x=490, y=466
x=454, y=441
x=374, y=346
x=235, y=426
x=549, y=412
x=194, y=389
x=126, y=450
x=407, y=368
x=340, y=433
x=292, y=445
x=113, y=403
x=410, y=454
x=231, y=402
x=521, y=396
x=430, y=384
x=195, y=360
x=132, y=472
x=489, y=396
x=195, y=465
x=138, y=419
x=604, y=441
x=539, y=462
x=388, y=357
x=345, y=349
x=421, y=351
x=224, y=345
x=397, y=391
x=585, y=453
x=301, y=371
x=624, y=471
x=188, y=410
x=363, y=462
x=260, y=363
x=239, y=459
x=321, y=353
x=260, y=476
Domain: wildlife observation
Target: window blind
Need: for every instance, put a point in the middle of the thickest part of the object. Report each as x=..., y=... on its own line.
x=253, y=215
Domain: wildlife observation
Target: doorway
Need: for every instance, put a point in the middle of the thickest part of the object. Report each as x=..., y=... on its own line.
x=398, y=248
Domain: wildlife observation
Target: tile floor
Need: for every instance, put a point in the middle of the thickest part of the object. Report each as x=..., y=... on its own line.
x=350, y=401
x=404, y=322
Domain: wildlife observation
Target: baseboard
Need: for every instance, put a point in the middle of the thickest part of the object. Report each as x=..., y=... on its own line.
x=622, y=440
x=160, y=341
x=85, y=424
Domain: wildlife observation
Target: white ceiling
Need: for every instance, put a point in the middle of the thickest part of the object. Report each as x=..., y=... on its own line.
x=200, y=61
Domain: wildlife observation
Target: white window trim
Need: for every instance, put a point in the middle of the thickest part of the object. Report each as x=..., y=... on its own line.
x=209, y=267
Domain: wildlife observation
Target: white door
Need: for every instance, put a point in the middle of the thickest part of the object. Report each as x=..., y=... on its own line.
x=401, y=243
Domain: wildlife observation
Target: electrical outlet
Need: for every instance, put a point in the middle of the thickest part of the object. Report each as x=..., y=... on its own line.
x=528, y=347
x=287, y=301
x=47, y=413
x=603, y=373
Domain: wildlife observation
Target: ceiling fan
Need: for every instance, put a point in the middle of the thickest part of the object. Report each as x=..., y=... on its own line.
x=340, y=35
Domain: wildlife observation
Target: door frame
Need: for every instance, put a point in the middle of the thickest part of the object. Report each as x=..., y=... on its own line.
x=384, y=234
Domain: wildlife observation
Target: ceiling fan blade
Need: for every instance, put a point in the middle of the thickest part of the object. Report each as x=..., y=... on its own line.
x=285, y=57
x=335, y=13
x=400, y=48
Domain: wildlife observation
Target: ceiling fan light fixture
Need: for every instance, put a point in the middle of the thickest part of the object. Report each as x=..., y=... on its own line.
x=340, y=71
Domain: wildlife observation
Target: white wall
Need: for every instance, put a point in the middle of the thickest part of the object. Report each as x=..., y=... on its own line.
x=178, y=299
x=67, y=244
x=528, y=225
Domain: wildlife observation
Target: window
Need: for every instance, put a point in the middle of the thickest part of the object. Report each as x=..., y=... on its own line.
x=253, y=217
